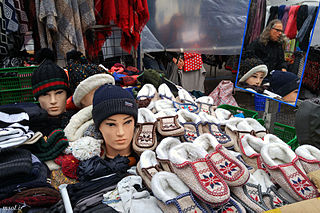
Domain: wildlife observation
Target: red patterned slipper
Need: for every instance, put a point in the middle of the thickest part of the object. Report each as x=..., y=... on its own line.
x=191, y=123
x=228, y=166
x=191, y=166
x=162, y=152
x=285, y=168
x=309, y=157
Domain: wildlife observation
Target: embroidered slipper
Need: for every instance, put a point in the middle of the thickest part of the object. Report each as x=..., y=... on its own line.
x=250, y=196
x=189, y=163
x=309, y=157
x=259, y=130
x=187, y=106
x=231, y=206
x=147, y=167
x=147, y=94
x=173, y=195
x=210, y=125
x=273, y=199
x=205, y=104
x=263, y=179
x=240, y=158
x=168, y=124
x=145, y=132
x=223, y=115
x=185, y=97
x=164, y=104
x=191, y=123
x=165, y=92
x=162, y=152
x=285, y=168
x=250, y=148
x=228, y=167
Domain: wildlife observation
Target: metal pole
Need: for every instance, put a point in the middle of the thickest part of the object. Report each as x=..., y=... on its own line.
x=270, y=112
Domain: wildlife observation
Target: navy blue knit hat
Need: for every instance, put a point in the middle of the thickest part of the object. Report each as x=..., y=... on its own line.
x=109, y=100
x=282, y=83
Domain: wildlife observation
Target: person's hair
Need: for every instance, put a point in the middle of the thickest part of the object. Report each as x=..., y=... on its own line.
x=265, y=35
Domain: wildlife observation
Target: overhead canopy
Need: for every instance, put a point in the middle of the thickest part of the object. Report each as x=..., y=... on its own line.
x=205, y=26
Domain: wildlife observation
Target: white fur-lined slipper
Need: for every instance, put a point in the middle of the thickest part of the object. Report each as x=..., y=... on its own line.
x=188, y=106
x=205, y=104
x=190, y=164
x=146, y=95
x=263, y=179
x=184, y=97
x=285, y=168
x=210, y=125
x=168, y=124
x=250, y=148
x=228, y=166
x=173, y=194
x=78, y=124
x=223, y=115
x=145, y=136
x=309, y=157
x=162, y=152
x=258, y=129
x=191, y=123
x=270, y=138
x=165, y=92
x=164, y=104
x=148, y=166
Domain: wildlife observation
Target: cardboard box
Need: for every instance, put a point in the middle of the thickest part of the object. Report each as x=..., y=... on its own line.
x=305, y=206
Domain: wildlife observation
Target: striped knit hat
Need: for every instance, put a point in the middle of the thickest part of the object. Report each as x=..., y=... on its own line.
x=48, y=76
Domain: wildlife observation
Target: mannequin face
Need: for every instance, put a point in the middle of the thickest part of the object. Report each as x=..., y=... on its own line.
x=255, y=79
x=291, y=97
x=117, y=131
x=87, y=99
x=276, y=32
x=54, y=102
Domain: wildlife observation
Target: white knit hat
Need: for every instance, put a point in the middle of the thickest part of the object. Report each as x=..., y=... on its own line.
x=89, y=84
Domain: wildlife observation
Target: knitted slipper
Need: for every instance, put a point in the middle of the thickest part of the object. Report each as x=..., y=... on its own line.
x=162, y=151
x=145, y=133
x=173, y=195
x=189, y=163
x=273, y=199
x=185, y=97
x=230, y=207
x=285, y=168
x=270, y=138
x=188, y=106
x=250, y=148
x=147, y=93
x=309, y=157
x=210, y=125
x=228, y=167
x=263, y=179
x=223, y=115
x=205, y=104
x=259, y=130
x=191, y=123
x=147, y=167
x=165, y=92
x=168, y=124
x=164, y=104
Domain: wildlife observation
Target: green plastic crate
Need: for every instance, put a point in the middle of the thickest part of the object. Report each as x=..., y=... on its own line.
x=285, y=133
x=15, y=85
x=236, y=110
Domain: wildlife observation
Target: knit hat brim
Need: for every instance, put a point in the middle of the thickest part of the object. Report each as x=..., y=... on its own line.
x=260, y=68
x=89, y=84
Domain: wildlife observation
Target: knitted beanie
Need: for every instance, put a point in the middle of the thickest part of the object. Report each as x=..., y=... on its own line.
x=282, y=83
x=90, y=83
x=250, y=66
x=14, y=161
x=48, y=76
x=109, y=100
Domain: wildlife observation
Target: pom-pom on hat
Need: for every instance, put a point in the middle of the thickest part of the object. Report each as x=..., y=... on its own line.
x=48, y=76
x=109, y=100
x=250, y=66
x=282, y=83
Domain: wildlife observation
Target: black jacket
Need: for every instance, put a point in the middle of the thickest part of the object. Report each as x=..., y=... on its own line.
x=272, y=54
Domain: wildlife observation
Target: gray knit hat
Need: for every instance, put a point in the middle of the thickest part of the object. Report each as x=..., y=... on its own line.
x=109, y=100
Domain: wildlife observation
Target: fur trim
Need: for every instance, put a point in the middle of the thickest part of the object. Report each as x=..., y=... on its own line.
x=148, y=90
x=186, y=152
x=263, y=179
x=308, y=152
x=78, y=123
x=253, y=180
x=165, y=91
x=238, y=124
x=274, y=154
x=222, y=114
x=148, y=159
x=167, y=186
x=166, y=112
x=90, y=84
x=260, y=68
x=185, y=96
x=206, y=118
x=270, y=138
x=205, y=99
x=163, y=104
x=165, y=145
x=145, y=116
x=251, y=144
x=186, y=116
x=256, y=126
x=207, y=141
